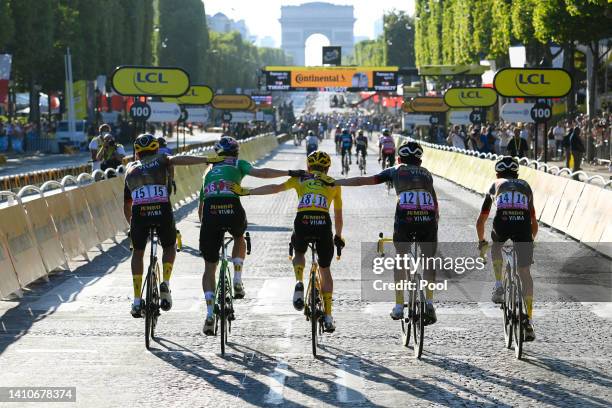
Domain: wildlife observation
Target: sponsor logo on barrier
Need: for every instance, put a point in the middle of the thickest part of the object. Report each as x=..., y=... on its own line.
x=428, y=104
x=232, y=102
x=532, y=83
x=150, y=81
x=196, y=95
x=470, y=97
x=517, y=112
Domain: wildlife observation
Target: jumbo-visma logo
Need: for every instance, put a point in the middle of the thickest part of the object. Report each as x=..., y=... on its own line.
x=534, y=83
x=150, y=81
x=470, y=97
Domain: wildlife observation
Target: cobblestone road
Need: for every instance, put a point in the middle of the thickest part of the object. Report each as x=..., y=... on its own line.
x=76, y=329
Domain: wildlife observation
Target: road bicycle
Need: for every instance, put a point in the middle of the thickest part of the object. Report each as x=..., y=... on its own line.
x=414, y=309
x=345, y=161
x=513, y=307
x=313, y=305
x=224, y=293
x=361, y=163
x=150, y=290
x=386, y=162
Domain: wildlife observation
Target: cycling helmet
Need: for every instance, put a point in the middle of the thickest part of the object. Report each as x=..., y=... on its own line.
x=386, y=132
x=507, y=164
x=360, y=133
x=338, y=126
x=410, y=150
x=146, y=143
x=162, y=141
x=227, y=146
x=310, y=133
x=319, y=158
x=345, y=131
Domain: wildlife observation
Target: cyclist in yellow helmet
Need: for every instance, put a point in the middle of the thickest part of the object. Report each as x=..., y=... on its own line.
x=312, y=223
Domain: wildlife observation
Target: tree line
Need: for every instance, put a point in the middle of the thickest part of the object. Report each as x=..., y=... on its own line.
x=103, y=34
x=467, y=31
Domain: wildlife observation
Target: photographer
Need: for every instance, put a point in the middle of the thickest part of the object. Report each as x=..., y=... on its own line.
x=110, y=153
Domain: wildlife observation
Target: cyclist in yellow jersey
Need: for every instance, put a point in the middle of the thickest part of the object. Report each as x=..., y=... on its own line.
x=312, y=223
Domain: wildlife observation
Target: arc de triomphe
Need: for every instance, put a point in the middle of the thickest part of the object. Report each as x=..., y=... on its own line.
x=300, y=22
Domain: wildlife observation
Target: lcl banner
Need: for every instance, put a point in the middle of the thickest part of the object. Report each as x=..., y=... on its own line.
x=532, y=83
x=470, y=97
x=150, y=81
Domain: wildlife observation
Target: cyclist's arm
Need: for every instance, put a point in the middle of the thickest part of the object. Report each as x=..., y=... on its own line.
x=127, y=204
x=482, y=218
x=267, y=173
x=201, y=204
x=338, y=220
x=534, y=220
x=268, y=189
x=187, y=160
x=358, y=181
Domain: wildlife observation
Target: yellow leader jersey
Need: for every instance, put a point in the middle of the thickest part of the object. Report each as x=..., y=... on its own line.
x=313, y=194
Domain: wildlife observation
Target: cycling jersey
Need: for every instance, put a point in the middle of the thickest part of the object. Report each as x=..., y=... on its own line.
x=361, y=141
x=388, y=145
x=512, y=221
x=146, y=182
x=313, y=194
x=312, y=141
x=346, y=140
x=218, y=180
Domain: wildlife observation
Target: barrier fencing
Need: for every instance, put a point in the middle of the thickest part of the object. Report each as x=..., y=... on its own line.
x=39, y=235
x=579, y=209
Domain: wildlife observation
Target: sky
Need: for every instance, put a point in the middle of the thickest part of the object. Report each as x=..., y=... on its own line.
x=262, y=16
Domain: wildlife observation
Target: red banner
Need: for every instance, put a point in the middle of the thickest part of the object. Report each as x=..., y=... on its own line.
x=4, y=87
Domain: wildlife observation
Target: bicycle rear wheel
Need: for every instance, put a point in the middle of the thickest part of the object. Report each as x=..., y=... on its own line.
x=406, y=328
x=519, y=317
x=314, y=319
x=223, y=310
x=507, y=311
x=418, y=312
x=148, y=307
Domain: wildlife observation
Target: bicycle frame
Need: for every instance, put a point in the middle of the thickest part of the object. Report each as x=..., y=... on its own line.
x=151, y=290
x=312, y=309
x=223, y=296
x=514, y=302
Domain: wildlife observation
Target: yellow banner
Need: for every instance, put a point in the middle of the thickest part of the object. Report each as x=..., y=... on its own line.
x=150, y=81
x=428, y=104
x=470, y=97
x=232, y=102
x=80, y=99
x=532, y=83
x=196, y=95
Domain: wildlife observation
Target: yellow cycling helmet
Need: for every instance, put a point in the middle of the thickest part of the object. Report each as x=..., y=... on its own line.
x=319, y=158
x=146, y=143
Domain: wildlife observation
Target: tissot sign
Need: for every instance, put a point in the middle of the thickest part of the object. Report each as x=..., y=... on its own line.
x=470, y=97
x=532, y=83
x=150, y=81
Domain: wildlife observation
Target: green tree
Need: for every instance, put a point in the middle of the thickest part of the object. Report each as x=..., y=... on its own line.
x=369, y=53
x=7, y=27
x=398, y=39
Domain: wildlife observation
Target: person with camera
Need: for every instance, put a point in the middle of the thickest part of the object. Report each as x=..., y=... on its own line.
x=110, y=154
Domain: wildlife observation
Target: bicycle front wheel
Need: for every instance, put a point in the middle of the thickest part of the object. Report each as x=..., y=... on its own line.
x=418, y=312
x=148, y=307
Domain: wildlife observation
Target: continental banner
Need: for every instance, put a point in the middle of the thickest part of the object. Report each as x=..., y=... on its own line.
x=339, y=79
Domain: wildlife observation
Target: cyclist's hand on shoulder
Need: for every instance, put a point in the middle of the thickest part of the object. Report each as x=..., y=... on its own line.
x=339, y=241
x=239, y=190
x=297, y=173
x=483, y=247
x=215, y=159
x=327, y=180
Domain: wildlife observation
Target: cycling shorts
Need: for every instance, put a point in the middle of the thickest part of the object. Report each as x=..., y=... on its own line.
x=522, y=239
x=390, y=158
x=361, y=149
x=314, y=226
x=158, y=215
x=219, y=215
x=426, y=234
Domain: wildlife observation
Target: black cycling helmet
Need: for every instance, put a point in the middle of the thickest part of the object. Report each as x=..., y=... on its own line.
x=507, y=166
x=386, y=132
x=410, y=153
x=145, y=143
x=310, y=133
x=345, y=131
x=338, y=126
x=227, y=146
x=360, y=133
x=162, y=141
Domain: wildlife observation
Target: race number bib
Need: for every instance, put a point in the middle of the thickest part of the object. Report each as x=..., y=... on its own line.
x=512, y=200
x=311, y=200
x=416, y=200
x=153, y=193
x=217, y=187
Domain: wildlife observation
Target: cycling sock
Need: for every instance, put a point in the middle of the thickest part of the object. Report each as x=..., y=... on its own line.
x=428, y=295
x=137, y=281
x=529, y=305
x=299, y=272
x=399, y=297
x=167, y=271
x=210, y=300
x=497, y=269
x=237, y=269
x=327, y=303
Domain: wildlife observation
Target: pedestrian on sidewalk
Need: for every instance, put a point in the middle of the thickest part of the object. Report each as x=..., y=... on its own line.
x=96, y=143
x=517, y=146
x=574, y=150
x=558, y=134
x=111, y=154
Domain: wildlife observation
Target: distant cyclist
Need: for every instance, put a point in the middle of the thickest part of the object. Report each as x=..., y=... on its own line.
x=312, y=142
x=386, y=149
x=361, y=144
x=338, y=138
x=147, y=203
x=515, y=220
x=346, y=144
x=163, y=146
x=416, y=215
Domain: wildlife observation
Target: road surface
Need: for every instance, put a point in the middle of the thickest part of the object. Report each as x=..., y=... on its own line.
x=76, y=330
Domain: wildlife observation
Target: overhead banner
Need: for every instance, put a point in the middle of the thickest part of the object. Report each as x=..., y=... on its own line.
x=196, y=95
x=532, y=83
x=164, y=112
x=517, y=112
x=197, y=115
x=470, y=97
x=335, y=79
x=451, y=70
x=417, y=120
x=150, y=81
x=460, y=117
x=428, y=104
x=332, y=55
x=232, y=102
